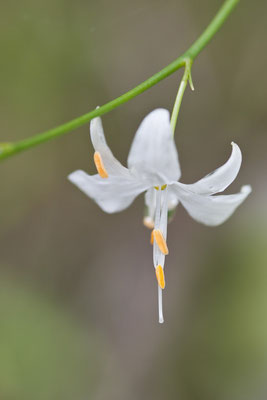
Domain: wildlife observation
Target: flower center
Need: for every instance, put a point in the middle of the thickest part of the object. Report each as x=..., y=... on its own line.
x=162, y=187
x=100, y=165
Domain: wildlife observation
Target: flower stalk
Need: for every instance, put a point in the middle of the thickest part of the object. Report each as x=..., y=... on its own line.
x=187, y=77
x=25, y=144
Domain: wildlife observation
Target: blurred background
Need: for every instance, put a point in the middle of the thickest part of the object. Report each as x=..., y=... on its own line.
x=78, y=295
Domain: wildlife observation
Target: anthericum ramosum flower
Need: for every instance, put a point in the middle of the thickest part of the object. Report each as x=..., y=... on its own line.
x=153, y=167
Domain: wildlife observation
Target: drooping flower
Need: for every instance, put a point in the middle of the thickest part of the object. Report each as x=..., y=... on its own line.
x=153, y=167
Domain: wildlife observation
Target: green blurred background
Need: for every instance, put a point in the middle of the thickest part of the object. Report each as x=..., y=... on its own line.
x=78, y=296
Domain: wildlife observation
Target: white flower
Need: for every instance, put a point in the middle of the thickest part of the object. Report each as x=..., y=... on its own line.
x=153, y=167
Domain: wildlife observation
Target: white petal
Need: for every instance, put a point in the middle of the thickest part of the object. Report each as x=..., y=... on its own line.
x=111, y=164
x=173, y=200
x=221, y=178
x=153, y=150
x=210, y=210
x=112, y=194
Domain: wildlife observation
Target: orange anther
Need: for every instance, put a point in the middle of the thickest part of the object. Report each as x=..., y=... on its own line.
x=99, y=165
x=148, y=222
x=161, y=242
x=160, y=276
x=152, y=237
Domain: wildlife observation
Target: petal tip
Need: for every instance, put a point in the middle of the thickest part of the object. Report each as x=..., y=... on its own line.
x=76, y=176
x=236, y=151
x=72, y=175
x=94, y=122
x=246, y=189
x=235, y=146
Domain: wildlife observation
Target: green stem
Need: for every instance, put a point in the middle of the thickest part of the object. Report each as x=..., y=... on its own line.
x=176, y=108
x=9, y=149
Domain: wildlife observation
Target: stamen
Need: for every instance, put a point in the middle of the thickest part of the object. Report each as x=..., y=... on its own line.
x=148, y=222
x=152, y=237
x=162, y=187
x=160, y=276
x=161, y=242
x=99, y=165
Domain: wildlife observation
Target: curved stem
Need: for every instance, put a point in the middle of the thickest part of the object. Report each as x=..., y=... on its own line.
x=186, y=77
x=9, y=149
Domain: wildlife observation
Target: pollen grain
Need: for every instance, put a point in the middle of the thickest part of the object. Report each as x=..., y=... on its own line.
x=160, y=276
x=99, y=165
x=161, y=242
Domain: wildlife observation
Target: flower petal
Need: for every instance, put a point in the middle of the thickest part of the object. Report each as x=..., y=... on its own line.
x=164, y=212
x=210, y=210
x=111, y=164
x=221, y=178
x=113, y=194
x=153, y=149
x=173, y=200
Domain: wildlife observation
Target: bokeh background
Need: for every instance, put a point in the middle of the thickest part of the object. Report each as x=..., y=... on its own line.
x=78, y=296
